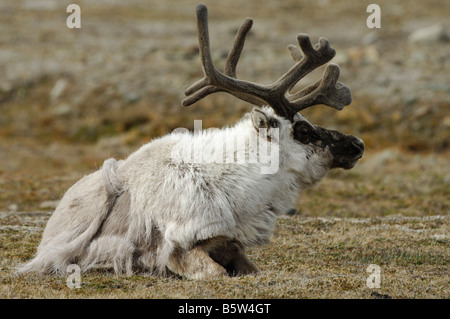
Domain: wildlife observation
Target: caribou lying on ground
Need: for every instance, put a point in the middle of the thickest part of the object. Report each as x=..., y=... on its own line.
x=163, y=209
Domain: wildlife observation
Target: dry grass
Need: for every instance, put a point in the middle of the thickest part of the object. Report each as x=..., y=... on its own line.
x=309, y=257
x=350, y=220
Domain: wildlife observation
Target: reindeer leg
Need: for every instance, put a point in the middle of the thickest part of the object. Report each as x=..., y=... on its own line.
x=212, y=258
x=241, y=265
x=195, y=264
x=231, y=255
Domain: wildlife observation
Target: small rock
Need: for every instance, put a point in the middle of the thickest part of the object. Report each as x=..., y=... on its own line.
x=13, y=207
x=421, y=111
x=410, y=100
x=58, y=89
x=342, y=58
x=364, y=55
x=446, y=121
x=439, y=237
x=434, y=33
x=132, y=97
x=5, y=87
x=370, y=38
x=396, y=116
x=62, y=109
x=371, y=55
x=49, y=204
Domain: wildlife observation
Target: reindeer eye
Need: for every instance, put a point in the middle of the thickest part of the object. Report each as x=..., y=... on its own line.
x=303, y=133
x=303, y=130
x=274, y=123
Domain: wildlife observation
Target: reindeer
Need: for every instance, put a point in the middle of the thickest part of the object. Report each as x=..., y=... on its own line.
x=159, y=211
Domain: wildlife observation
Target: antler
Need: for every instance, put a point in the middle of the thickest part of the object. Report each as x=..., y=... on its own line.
x=325, y=91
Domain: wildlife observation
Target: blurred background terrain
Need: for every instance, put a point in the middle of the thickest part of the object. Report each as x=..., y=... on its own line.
x=71, y=98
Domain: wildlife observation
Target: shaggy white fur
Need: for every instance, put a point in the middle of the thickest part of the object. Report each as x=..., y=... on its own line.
x=134, y=213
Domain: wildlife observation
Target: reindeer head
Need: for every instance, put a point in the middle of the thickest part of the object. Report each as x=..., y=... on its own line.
x=343, y=150
x=334, y=148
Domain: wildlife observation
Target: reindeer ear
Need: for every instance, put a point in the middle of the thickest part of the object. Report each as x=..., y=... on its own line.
x=259, y=118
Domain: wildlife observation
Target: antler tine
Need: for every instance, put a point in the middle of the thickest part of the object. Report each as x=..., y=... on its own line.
x=325, y=91
x=205, y=53
x=295, y=52
x=229, y=70
x=236, y=49
x=313, y=59
x=233, y=59
x=213, y=81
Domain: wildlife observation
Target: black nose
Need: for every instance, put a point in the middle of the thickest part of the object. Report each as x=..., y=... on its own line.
x=359, y=145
